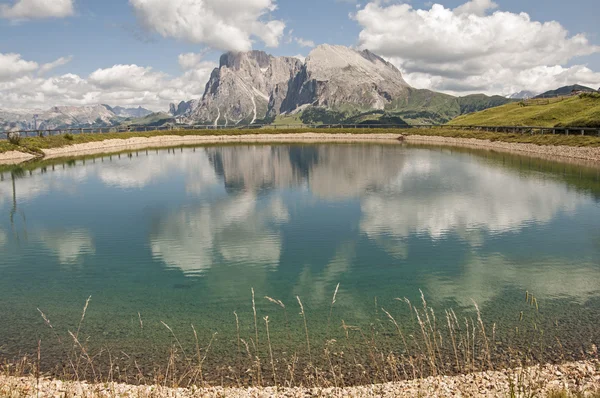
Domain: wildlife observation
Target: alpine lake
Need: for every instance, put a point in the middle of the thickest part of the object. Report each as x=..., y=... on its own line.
x=178, y=249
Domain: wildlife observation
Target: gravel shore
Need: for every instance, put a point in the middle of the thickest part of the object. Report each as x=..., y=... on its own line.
x=576, y=378
x=174, y=140
x=15, y=157
x=556, y=151
x=114, y=145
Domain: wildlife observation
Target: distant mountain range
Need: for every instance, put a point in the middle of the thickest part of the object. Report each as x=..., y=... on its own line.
x=525, y=94
x=68, y=117
x=334, y=84
x=138, y=112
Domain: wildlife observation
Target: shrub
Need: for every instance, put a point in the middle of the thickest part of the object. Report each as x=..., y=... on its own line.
x=592, y=95
x=69, y=136
x=14, y=138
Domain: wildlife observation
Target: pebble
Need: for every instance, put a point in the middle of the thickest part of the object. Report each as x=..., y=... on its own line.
x=543, y=379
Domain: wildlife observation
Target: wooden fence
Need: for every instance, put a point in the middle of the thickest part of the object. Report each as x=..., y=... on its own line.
x=589, y=131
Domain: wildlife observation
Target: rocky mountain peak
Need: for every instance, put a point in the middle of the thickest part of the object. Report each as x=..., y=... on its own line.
x=250, y=86
x=236, y=60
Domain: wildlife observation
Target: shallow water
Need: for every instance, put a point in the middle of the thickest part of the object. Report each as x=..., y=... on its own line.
x=181, y=236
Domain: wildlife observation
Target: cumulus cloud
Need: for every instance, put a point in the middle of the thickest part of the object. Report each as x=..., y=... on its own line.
x=12, y=65
x=125, y=85
x=188, y=61
x=37, y=9
x=222, y=24
x=469, y=49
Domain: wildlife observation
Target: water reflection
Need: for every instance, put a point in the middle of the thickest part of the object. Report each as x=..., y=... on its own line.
x=328, y=171
x=484, y=278
x=437, y=198
x=236, y=230
x=316, y=214
x=141, y=171
x=69, y=246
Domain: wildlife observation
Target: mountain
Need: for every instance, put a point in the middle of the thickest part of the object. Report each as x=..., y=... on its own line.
x=244, y=87
x=566, y=90
x=129, y=112
x=184, y=108
x=334, y=84
x=59, y=117
x=339, y=78
x=525, y=94
x=576, y=111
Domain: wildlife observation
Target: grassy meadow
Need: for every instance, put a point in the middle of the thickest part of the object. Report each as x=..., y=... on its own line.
x=577, y=111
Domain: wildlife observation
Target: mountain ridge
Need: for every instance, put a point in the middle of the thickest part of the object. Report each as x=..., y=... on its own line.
x=56, y=117
x=340, y=82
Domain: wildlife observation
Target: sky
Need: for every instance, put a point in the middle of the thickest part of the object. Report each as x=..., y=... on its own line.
x=154, y=52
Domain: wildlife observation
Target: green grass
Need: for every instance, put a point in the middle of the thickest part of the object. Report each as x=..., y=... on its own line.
x=579, y=111
x=35, y=145
x=5, y=146
x=294, y=120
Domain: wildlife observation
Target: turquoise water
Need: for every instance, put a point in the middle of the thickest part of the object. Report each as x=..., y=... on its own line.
x=181, y=236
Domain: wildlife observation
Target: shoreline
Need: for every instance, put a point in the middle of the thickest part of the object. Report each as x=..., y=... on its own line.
x=573, y=378
x=557, y=152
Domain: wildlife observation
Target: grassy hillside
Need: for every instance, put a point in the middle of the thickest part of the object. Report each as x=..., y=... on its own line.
x=579, y=111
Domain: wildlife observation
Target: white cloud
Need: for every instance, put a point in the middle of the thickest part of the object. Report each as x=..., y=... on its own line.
x=470, y=50
x=12, y=65
x=476, y=7
x=55, y=64
x=127, y=77
x=37, y=9
x=304, y=43
x=188, y=61
x=125, y=85
x=222, y=24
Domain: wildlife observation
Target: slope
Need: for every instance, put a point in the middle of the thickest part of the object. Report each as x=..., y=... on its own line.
x=580, y=111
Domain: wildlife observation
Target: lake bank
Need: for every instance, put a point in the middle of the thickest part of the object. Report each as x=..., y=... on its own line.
x=582, y=378
x=574, y=147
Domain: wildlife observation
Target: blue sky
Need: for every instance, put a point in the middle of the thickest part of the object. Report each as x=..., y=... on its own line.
x=88, y=35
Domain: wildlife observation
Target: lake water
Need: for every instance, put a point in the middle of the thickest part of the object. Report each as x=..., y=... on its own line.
x=181, y=236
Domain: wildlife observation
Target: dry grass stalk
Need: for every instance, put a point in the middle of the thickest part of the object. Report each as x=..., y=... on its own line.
x=305, y=327
x=331, y=308
x=270, y=349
